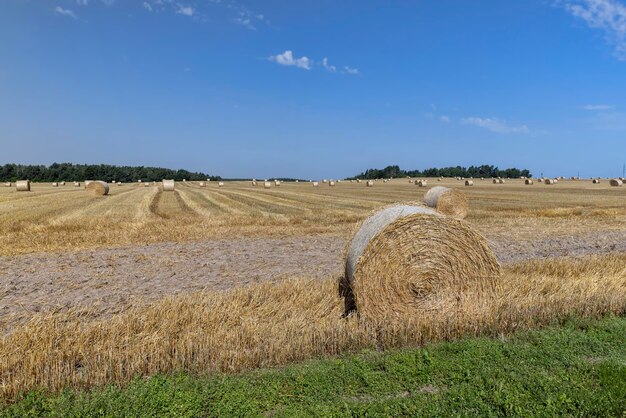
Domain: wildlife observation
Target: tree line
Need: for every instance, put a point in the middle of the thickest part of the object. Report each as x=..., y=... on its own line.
x=458, y=171
x=105, y=172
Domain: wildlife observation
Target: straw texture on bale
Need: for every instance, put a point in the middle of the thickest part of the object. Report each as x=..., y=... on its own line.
x=469, y=182
x=615, y=182
x=22, y=185
x=99, y=188
x=169, y=185
x=87, y=182
x=407, y=259
x=267, y=185
x=447, y=201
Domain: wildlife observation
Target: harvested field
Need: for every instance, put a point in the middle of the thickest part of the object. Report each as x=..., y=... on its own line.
x=86, y=270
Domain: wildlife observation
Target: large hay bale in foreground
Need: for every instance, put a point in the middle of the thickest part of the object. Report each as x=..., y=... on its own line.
x=615, y=182
x=404, y=260
x=169, y=185
x=469, y=182
x=99, y=188
x=447, y=201
x=267, y=185
x=22, y=185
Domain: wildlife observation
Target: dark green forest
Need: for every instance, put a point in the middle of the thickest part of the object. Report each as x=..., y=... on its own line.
x=105, y=172
x=458, y=171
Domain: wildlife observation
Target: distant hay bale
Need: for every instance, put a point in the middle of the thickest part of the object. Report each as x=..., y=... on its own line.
x=169, y=185
x=62, y=183
x=358, y=180
x=76, y=184
x=404, y=260
x=421, y=183
x=549, y=181
x=501, y=181
x=138, y=181
x=595, y=181
x=331, y=183
x=315, y=184
x=267, y=185
x=438, y=179
x=447, y=201
x=7, y=184
x=220, y=184
x=469, y=182
x=528, y=181
x=615, y=182
x=22, y=185
x=369, y=183
x=55, y=184
x=119, y=183
x=276, y=183
x=254, y=182
x=324, y=181
x=97, y=187
x=496, y=181
x=202, y=184
x=482, y=178
x=184, y=179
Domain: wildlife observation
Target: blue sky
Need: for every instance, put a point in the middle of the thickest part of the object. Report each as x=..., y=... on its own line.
x=315, y=89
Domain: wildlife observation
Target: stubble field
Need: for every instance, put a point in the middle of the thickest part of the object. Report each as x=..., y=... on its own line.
x=101, y=289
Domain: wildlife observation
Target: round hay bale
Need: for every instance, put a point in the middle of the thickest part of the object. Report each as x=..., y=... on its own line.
x=616, y=182
x=220, y=184
x=87, y=182
x=76, y=184
x=369, y=183
x=169, y=185
x=138, y=181
x=595, y=181
x=22, y=185
x=528, y=181
x=358, y=180
x=99, y=188
x=447, y=201
x=438, y=179
x=549, y=181
x=469, y=182
x=496, y=181
x=254, y=182
x=331, y=183
x=421, y=183
x=202, y=184
x=7, y=184
x=407, y=259
x=55, y=184
x=267, y=185
x=315, y=184
x=62, y=183
x=119, y=183
x=276, y=183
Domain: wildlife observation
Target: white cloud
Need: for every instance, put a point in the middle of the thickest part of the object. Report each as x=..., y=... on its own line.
x=65, y=12
x=495, y=125
x=286, y=58
x=350, y=70
x=444, y=118
x=245, y=21
x=82, y=2
x=147, y=6
x=328, y=66
x=598, y=107
x=185, y=10
x=607, y=15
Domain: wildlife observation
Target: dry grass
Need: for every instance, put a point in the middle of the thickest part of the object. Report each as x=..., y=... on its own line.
x=60, y=219
x=274, y=324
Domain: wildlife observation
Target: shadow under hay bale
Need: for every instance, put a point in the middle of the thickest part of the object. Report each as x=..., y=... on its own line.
x=406, y=259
